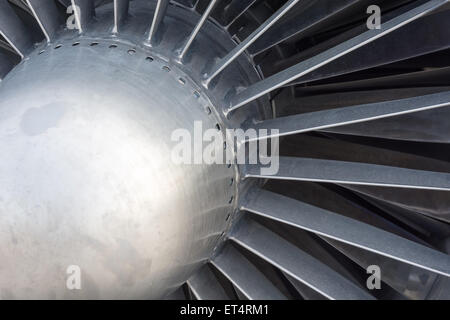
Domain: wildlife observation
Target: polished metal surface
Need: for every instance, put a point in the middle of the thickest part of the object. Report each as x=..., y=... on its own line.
x=92, y=92
x=87, y=179
x=99, y=134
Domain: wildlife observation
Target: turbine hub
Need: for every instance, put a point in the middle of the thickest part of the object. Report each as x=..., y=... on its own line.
x=87, y=182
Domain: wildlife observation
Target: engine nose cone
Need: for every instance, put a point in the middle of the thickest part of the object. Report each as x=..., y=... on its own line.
x=87, y=181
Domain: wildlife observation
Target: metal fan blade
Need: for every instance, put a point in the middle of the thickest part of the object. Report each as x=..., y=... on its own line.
x=284, y=77
x=47, y=16
x=13, y=30
x=347, y=230
x=291, y=260
x=84, y=11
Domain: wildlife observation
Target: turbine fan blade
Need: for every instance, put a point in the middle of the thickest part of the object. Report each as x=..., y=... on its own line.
x=408, y=42
x=341, y=228
x=160, y=12
x=243, y=275
x=120, y=13
x=6, y=64
x=47, y=16
x=84, y=11
x=13, y=30
x=196, y=30
x=205, y=286
x=282, y=78
x=331, y=171
x=239, y=49
x=320, y=11
x=65, y=3
x=338, y=117
x=306, y=292
x=187, y=3
x=294, y=262
x=229, y=13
